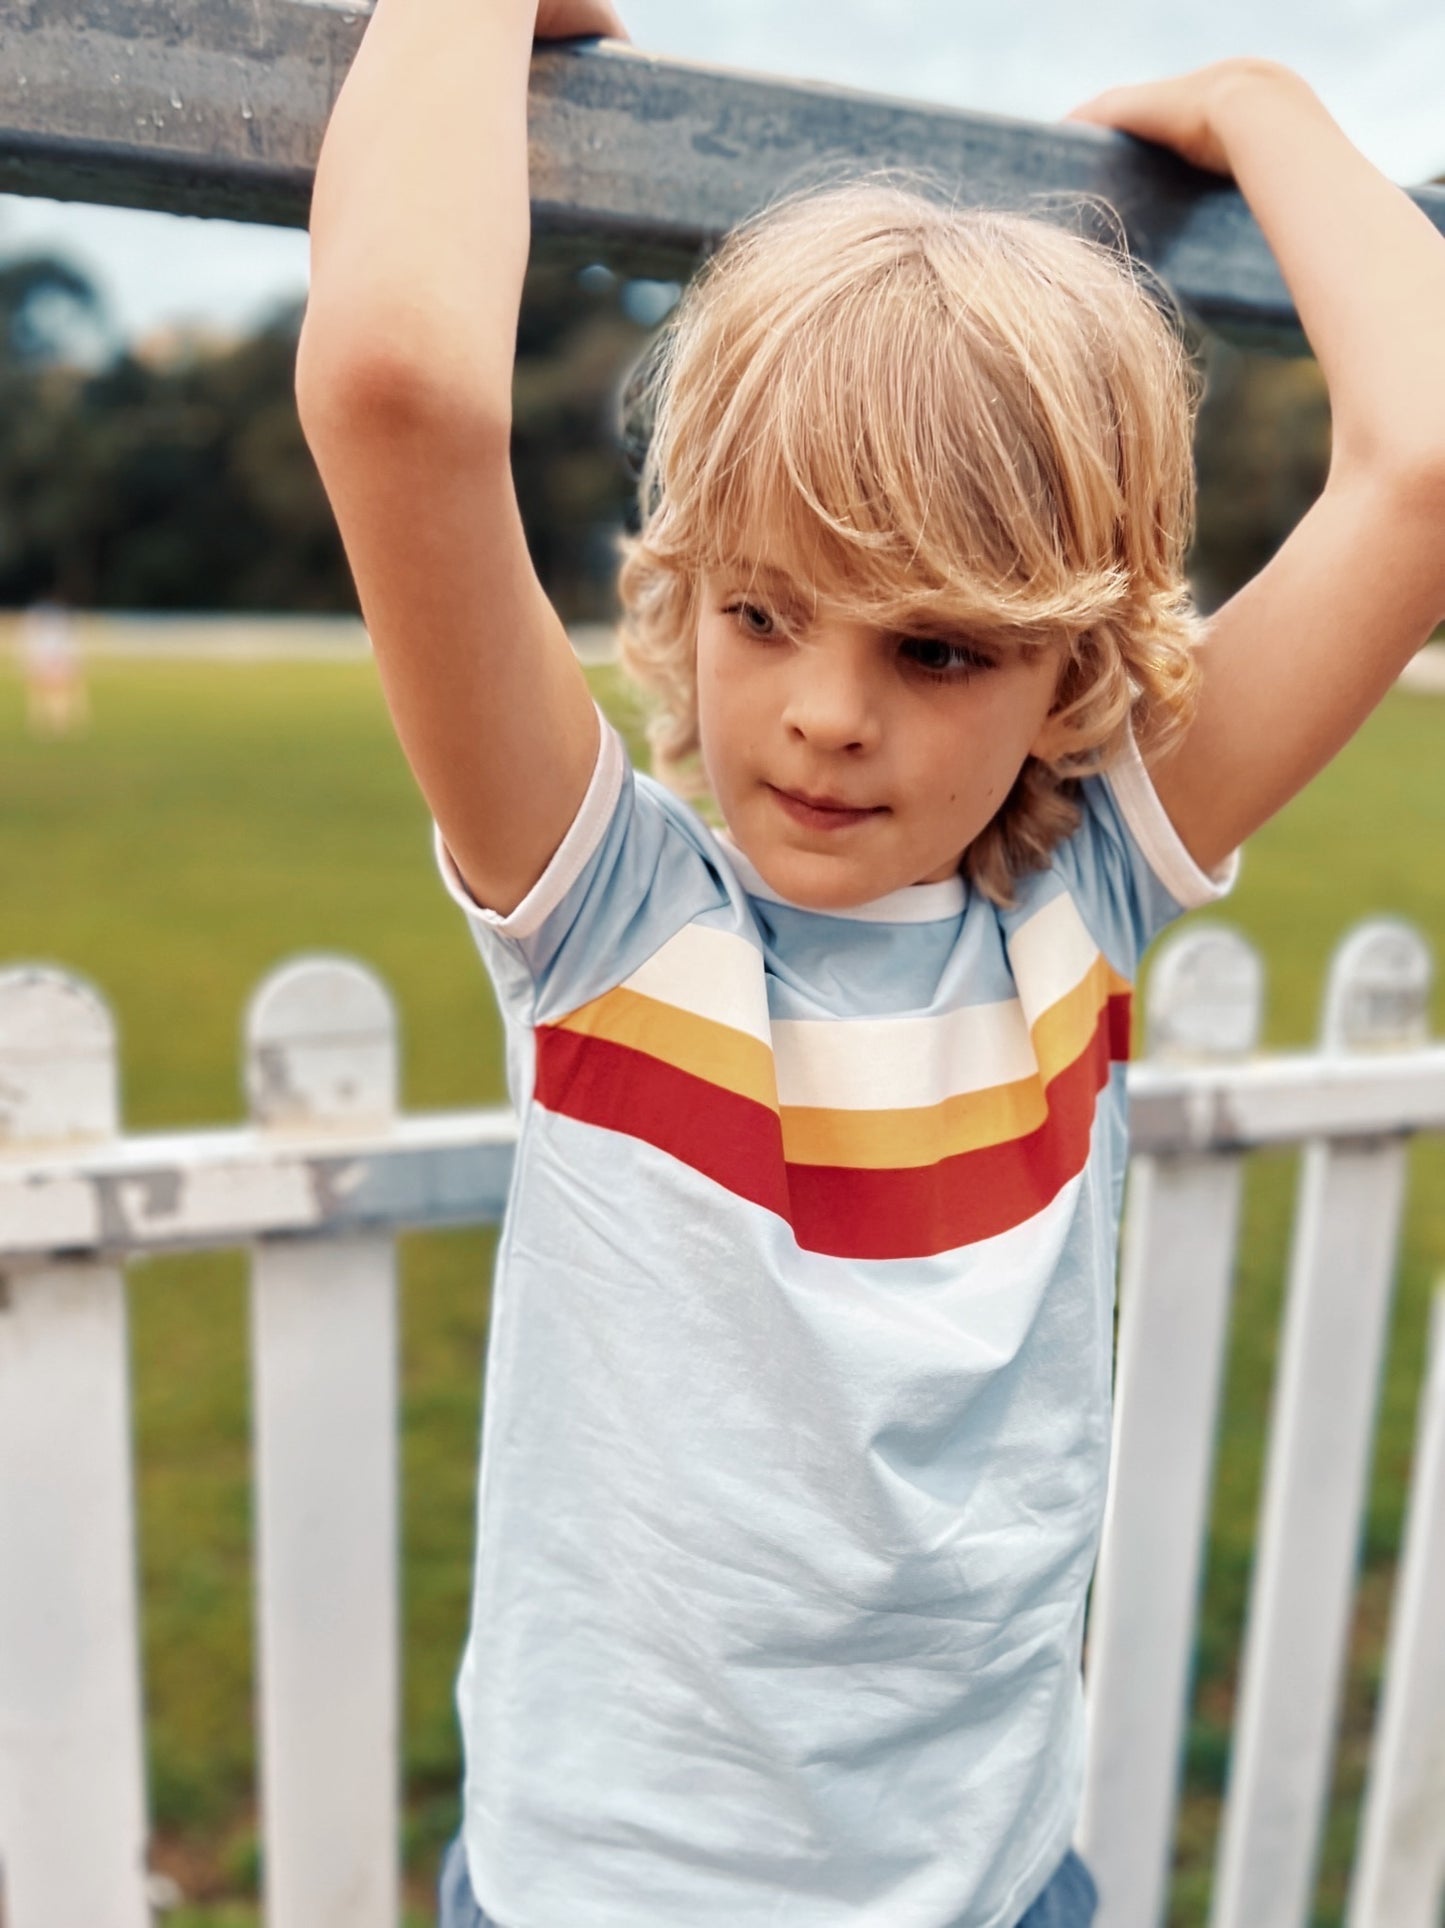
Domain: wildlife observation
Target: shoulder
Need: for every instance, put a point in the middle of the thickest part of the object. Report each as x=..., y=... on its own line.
x=635, y=866
x=1124, y=867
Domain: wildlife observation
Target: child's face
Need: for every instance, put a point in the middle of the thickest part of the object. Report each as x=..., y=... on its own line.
x=802, y=708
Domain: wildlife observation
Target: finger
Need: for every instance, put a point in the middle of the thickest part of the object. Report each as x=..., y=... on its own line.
x=579, y=20
x=1099, y=109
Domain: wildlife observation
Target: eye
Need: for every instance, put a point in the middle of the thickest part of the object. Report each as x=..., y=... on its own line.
x=948, y=661
x=750, y=618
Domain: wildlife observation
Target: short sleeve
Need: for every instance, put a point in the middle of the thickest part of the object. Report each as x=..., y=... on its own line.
x=634, y=866
x=1127, y=867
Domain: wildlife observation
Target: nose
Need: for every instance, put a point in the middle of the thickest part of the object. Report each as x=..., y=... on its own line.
x=832, y=699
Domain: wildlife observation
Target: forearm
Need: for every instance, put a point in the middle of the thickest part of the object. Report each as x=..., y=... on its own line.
x=1365, y=267
x=420, y=214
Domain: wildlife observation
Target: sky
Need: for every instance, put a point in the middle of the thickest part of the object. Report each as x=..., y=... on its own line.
x=1378, y=65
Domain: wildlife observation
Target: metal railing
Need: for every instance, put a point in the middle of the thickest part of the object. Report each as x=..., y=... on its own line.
x=211, y=107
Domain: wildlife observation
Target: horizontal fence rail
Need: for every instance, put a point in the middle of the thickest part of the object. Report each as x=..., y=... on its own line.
x=324, y=1176
x=209, y=107
x=174, y=1191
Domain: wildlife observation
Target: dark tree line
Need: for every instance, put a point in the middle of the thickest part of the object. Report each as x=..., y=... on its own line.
x=185, y=483
x=136, y=486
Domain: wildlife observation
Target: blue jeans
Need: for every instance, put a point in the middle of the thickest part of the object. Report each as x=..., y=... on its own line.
x=1068, y=1901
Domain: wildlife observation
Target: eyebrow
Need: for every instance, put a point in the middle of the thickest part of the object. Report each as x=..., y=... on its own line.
x=759, y=572
x=766, y=579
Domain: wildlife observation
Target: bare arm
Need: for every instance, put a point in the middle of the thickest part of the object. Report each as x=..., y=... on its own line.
x=1295, y=662
x=419, y=235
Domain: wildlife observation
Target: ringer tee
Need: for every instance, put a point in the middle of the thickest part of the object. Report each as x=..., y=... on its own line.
x=797, y=1409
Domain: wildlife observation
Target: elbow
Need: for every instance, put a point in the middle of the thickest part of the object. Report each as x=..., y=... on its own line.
x=1417, y=498
x=1411, y=472
x=369, y=379
x=1416, y=484
x=1423, y=479
x=1417, y=472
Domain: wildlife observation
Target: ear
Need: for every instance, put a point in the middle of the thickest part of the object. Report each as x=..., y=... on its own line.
x=1055, y=738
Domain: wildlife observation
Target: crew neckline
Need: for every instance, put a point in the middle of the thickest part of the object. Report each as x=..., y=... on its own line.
x=912, y=904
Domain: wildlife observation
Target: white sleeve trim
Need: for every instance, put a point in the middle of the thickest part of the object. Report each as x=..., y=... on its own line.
x=1159, y=842
x=582, y=838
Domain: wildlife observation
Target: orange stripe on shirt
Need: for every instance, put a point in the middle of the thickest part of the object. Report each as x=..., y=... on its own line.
x=718, y=1053
x=922, y=1134
x=863, y=1138
x=845, y=1211
x=924, y=1210
x=851, y=1182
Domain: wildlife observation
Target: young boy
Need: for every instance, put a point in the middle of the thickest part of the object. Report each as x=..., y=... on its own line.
x=797, y=1408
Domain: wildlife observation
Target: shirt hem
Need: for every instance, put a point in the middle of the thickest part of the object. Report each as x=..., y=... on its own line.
x=1040, y=1875
x=1159, y=843
x=568, y=860
x=1026, y=1892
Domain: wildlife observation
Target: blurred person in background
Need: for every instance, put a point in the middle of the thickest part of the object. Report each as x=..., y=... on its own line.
x=57, y=702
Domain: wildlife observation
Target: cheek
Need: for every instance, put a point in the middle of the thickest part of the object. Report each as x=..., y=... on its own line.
x=723, y=695
x=976, y=760
x=1011, y=720
x=705, y=673
x=717, y=715
x=711, y=686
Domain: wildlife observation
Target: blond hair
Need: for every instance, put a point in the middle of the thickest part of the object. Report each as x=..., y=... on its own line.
x=961, y=417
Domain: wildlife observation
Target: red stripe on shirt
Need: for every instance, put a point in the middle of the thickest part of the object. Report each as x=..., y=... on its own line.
x=846, y=1212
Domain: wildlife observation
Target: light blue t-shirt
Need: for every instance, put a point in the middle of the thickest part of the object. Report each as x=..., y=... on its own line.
x=797, y=1402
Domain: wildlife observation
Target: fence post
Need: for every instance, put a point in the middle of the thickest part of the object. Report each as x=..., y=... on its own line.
x=1399, y=1875
x=72, y=1778
x=322, y=1056
x=1203, y=1001
x=1342, y=1265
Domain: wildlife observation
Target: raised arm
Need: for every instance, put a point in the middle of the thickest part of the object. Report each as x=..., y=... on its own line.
x=419, y=235
x=1299, y=657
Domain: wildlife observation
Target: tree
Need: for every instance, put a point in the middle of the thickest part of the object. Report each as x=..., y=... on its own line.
x=49, y=312
x=187, y=484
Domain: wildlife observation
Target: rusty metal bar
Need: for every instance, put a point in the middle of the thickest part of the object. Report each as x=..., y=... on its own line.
x=217, y=107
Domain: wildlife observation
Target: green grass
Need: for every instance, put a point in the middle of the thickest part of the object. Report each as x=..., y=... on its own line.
x=219, y=818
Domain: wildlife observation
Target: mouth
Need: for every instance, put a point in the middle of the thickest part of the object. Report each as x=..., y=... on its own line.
x=823, y=813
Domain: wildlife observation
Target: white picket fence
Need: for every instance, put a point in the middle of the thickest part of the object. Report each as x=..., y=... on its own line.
x=326, y=1174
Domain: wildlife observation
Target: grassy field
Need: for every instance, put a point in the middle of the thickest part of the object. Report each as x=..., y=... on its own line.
x=220, y=817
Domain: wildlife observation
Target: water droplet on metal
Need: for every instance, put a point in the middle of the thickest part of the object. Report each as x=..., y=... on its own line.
x=177, y=102
x=248, y=113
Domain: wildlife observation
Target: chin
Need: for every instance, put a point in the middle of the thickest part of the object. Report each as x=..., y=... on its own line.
x=820, y=883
